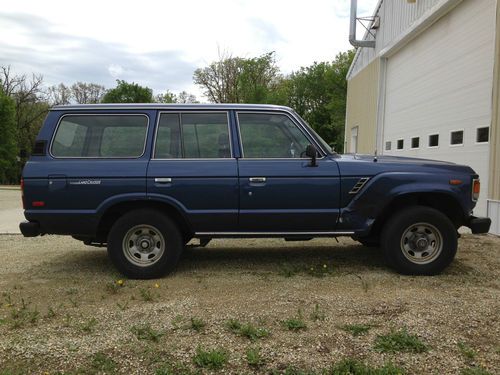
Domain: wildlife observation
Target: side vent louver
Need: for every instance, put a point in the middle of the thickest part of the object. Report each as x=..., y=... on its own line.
x=359, y=185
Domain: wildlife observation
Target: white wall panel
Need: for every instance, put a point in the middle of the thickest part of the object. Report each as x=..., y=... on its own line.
x=442, y=81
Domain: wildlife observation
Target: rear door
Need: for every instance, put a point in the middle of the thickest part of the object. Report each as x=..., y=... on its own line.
x=279, y=190
x=193, y=168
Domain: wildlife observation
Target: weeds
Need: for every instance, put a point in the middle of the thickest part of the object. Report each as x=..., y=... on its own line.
x=50, y=313
x=316, y=270
x=466, y=351
x=175, y=369
x=247, y=330
x=176, y=322
x=400, y=341
x=295, y=324
x=475, y=371
x=214, y=359
x=20, y=317
x=254, y=358
x=317, y=314
x=147, y=295
x=89, y=325
x=197, y=324
x=122, y=306
x=103, y=364
x=344, y=367
x=146, y=332
x=356, y=329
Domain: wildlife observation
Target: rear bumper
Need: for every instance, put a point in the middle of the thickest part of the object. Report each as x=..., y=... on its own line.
x=30, y=228
x=479, y=224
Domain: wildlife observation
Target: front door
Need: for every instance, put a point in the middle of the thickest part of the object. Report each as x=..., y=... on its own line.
x=279, y=189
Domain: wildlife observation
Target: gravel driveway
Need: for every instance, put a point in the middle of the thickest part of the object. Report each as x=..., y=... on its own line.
x=295, y=306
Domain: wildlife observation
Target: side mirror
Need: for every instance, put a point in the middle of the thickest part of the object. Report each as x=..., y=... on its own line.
x=312, y=153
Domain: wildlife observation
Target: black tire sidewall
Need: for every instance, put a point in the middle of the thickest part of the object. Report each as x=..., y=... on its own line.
x=173, y=244
x=394, y=229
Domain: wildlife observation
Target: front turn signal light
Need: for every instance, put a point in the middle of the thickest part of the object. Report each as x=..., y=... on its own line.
x=476, y=188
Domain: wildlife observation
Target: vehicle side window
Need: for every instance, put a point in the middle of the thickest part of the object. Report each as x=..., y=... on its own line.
x=100, y=136
x=266, y=135
x=193, y=136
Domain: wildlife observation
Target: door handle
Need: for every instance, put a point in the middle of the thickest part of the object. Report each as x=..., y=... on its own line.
x=257, y=179
x=163, y=180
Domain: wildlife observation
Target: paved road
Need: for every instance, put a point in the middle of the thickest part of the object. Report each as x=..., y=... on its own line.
x=11, y=212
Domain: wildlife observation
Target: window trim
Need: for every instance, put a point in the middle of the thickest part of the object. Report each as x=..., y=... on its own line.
x=429, y=138
x=397, y=141
x=294, y=121
x=99, y=157
x=489, y=134
x=463, y=138
x=180, y=112
x=411, y=143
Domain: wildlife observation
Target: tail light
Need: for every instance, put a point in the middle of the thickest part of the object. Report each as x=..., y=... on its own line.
x=476, y=188
x=22, y=192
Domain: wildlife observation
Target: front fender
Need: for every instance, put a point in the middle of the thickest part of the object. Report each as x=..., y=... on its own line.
x=381, y=190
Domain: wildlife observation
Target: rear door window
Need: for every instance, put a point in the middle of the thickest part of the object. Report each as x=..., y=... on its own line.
x=100, y=136
x=193, y=136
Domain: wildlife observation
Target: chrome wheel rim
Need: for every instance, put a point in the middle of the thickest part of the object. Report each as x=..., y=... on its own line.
x=421, y=243
x=143, y=245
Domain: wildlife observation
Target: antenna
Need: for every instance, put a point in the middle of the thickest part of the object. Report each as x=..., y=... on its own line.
x=375, y=159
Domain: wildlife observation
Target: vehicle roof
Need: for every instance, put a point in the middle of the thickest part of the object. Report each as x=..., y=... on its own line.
x=221, y=106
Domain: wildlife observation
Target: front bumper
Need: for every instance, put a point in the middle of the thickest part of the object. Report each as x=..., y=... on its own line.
x=479, y=224
x=30, y=228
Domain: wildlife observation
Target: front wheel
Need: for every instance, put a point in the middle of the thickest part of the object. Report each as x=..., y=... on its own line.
x=144, y=244
x=419, y=241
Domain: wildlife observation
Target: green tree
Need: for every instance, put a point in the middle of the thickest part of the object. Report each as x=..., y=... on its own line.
x=8, y=140
x=319, y=94
x=125, y=92
x=239, y=80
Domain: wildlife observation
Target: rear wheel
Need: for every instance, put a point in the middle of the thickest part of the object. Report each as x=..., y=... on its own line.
x=144, y=244
x=419, y=241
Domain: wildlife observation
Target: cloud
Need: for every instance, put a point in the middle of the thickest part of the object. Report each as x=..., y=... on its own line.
x=267, y=32
x=32, y=44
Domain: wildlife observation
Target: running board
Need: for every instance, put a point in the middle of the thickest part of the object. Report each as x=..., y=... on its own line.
x=270, y=234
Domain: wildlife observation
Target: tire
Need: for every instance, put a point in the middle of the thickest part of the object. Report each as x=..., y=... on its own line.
x=419, y=241
x=145, y=244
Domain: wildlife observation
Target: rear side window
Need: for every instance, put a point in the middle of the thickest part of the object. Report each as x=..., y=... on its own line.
x=100, y=136
x=193, y=136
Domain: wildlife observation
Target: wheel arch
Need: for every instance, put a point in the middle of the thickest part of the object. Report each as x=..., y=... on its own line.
x=115, y=211
x=441, y=201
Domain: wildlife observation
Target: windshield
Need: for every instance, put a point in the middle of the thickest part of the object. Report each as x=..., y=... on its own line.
x=320, y=140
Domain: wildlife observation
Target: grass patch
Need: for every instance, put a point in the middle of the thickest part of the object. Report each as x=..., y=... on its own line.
x=254, y=358
x=247, y=330
x=102, y=363
x=400, y=341
x=295, y=324
x=475, y=371
x=146, y=332
x=197, y=324
x=356, y=329
x=466, y=351
x=214, y=359
x=175, y=368
x=344, y=367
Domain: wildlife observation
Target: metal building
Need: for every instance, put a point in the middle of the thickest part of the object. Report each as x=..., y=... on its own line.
x=425, y=83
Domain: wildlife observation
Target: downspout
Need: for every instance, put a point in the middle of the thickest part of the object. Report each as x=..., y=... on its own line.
x=352, y=29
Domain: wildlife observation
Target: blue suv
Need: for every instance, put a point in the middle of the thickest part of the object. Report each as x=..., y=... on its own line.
x=144, y=179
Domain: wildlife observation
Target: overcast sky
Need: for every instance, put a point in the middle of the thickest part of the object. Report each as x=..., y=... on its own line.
x=160, y=43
